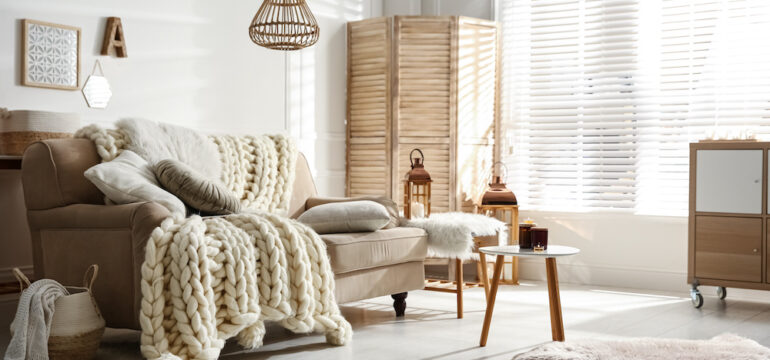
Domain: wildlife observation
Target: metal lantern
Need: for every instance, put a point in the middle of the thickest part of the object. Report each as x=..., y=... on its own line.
x=417, y=188
x=284, y=25
x=498, y=193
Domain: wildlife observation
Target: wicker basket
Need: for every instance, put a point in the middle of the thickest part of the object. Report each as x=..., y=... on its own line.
x=20, y=128
x=77, y=326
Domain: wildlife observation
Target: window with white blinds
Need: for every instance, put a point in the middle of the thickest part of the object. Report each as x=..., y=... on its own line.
x=602, y=97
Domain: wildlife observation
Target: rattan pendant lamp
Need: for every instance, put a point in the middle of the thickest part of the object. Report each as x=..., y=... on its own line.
x=284, y=25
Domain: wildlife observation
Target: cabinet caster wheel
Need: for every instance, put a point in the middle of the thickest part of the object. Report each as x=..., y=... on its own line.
x=721, y=292
x=697, y=299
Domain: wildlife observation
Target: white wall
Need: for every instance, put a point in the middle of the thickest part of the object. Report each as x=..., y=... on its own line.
x=190, y=62
x=318, y=82
x=623, y=250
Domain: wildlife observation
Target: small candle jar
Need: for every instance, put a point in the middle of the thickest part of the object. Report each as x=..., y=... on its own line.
x=539, y=239
x=418, y=210
x=525, y=235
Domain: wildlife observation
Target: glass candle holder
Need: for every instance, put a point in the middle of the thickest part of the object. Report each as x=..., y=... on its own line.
x=539, y=239
x=525, y=235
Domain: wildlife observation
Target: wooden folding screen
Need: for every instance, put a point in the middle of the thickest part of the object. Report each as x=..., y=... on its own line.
x=422, y=82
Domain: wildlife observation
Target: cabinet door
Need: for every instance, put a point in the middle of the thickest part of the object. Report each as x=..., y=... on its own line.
x=729, y=181
x=728, y=248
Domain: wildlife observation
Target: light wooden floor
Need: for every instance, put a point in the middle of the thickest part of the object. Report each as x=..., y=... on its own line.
x=431, y=331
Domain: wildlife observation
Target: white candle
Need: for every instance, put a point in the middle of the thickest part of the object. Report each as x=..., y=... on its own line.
x=418, y=210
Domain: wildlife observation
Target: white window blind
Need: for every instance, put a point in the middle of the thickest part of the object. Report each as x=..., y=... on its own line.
x=602, y=97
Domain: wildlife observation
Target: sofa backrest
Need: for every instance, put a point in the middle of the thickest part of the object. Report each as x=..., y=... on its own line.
x=52, y=175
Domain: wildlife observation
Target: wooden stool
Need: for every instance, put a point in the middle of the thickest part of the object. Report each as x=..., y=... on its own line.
x=511, y=220
x=457, y=285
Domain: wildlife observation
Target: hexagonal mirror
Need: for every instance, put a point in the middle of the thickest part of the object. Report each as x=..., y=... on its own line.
x=97, y=92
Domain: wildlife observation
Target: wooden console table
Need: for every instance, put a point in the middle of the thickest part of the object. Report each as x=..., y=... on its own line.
x=10, y=162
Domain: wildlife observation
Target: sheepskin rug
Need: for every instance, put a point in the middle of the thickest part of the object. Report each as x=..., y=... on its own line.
x=722, y=347
x=450, y=235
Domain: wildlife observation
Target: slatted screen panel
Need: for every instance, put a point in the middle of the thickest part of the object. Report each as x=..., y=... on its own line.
x=424, y=100
x=369, y=170
x=477, y=62
x=443, y=78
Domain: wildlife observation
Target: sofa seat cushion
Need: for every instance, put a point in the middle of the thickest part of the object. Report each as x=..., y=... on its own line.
x=357, y=251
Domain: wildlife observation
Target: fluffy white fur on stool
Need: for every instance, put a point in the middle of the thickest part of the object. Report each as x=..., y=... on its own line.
x=450, y=235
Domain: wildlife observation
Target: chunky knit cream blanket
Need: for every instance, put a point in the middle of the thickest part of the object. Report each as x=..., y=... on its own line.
x=205, y=280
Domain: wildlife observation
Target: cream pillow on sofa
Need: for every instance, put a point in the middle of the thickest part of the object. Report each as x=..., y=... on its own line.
x=346, y=217
x=129, y=179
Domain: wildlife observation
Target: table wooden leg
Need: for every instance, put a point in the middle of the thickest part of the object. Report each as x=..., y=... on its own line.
x=557, y=325
x=515, y=270
x=484, y=275
x=459, y=282
x=499, y=261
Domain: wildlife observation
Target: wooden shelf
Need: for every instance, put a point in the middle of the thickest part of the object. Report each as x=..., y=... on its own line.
x=9, y=288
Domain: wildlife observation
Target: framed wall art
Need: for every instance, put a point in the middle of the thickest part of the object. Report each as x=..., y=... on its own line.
x=51, y=55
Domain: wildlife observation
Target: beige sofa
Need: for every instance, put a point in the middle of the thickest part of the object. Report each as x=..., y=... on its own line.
x=72, y=228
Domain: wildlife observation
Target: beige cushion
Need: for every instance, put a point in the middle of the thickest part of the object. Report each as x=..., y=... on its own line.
x=129, y=179
x=358, y=251
x=196, y=190
x=389, y=204
x=346, y=217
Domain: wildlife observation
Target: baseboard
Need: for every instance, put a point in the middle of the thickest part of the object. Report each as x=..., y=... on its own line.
x=600, y=275
x=6, y=274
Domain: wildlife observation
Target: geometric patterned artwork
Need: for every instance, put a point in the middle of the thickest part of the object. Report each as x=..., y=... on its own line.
x=51, y=55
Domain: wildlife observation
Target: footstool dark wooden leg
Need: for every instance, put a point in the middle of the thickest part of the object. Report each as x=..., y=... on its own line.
x=399, y=303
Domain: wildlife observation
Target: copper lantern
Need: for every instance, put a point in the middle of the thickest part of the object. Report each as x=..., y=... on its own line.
x=417, y=188
x=498, y=193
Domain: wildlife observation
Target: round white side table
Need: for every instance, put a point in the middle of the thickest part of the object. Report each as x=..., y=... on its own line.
x=550, y=255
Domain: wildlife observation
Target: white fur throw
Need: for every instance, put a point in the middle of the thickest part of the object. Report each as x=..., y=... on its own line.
x=258, y=169
x=725, y=346
x=156, y=141
x=450, y=235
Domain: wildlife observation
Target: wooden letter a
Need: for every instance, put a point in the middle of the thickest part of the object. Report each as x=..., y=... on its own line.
x=114, y=38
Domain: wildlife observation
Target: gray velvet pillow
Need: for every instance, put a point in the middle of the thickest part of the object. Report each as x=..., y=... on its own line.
x=194, y=189
x=346, y=217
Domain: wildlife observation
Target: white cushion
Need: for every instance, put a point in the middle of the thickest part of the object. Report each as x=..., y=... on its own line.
x=346, y=217
x=129, y=179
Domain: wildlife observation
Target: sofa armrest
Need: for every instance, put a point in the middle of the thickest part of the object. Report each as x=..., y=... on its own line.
x=66, y=240
x=89, y=216
x=52, y=174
